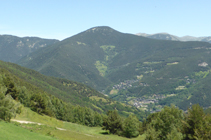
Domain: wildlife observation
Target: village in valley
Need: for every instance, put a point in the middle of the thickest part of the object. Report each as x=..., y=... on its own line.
x=125, y=85
x=144, y=103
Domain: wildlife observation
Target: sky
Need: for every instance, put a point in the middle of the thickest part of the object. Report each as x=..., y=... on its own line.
x=59, y=19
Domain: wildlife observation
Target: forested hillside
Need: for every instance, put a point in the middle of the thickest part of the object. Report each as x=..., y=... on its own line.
x=30, y=82
x=130, y=68
x=19, y=86
x=12, y=48
x=24, y=87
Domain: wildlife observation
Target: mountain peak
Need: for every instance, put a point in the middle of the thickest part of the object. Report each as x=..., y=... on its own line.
x=100, y=29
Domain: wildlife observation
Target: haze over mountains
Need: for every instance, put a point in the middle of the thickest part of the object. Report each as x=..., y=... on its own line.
x=166, y=36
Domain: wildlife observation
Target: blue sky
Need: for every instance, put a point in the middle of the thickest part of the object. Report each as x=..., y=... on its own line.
x=60, y=19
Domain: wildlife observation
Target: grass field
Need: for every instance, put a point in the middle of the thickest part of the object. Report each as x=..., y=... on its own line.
x=10, y=131
x=71, y=131
x=28, y=115
x=74, y=132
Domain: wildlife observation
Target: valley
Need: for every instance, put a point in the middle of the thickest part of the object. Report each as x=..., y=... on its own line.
x=128, y=67
x=80, y=84
x=105, y=70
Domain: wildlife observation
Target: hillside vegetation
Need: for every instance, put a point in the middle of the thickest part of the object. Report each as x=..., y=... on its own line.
x=59, y=129
x=140, y=70
x=172, y=124
x=16, y=93
x=169, y=123
x=13, y=48
x=57, y=97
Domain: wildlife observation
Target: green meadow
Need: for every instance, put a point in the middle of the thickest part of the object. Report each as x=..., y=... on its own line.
x=11, y=131
x=52, y=128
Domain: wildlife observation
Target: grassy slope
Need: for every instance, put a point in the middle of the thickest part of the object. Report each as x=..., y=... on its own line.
x=10, y=131
x=73, y=131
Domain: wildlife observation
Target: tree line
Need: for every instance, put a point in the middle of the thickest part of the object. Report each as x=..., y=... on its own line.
x=171, y=123
x=42, y=103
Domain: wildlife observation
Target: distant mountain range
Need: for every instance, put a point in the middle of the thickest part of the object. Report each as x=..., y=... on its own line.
x=134, y=69
x=12, y=48
x=166, y=36
x=129, y=67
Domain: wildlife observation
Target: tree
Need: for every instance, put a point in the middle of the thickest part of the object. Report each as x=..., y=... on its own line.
x=131, y=126
x=197, y=124
x=113, y=122
x=8, y=108
x=11, y=89
x=38, y=103
x=204, y=130
x=89, y=117
x=79, y=115
x=152, y=134
x=165, y=124
x=98, y=119
x=23, y=96
x=174, y=135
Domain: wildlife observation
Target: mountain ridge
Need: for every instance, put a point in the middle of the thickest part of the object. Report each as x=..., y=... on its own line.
x=13, y=48
x=167, y=36
x=104, y=59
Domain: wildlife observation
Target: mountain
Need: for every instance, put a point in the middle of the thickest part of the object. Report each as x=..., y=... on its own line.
x=77, y=58
x=26, y=83
x=130, y=68
x=163, y=36
x=12, y=48
x=166, y=36
x=207, y=39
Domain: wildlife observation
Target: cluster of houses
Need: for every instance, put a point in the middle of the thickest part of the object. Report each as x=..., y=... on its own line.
x=204, y=64
x=124, y=85
x=191, y=81
x=143, y=102
x=144, y=84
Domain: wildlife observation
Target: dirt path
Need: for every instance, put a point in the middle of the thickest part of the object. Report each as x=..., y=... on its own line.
x=29, y=122
x=26, y=122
